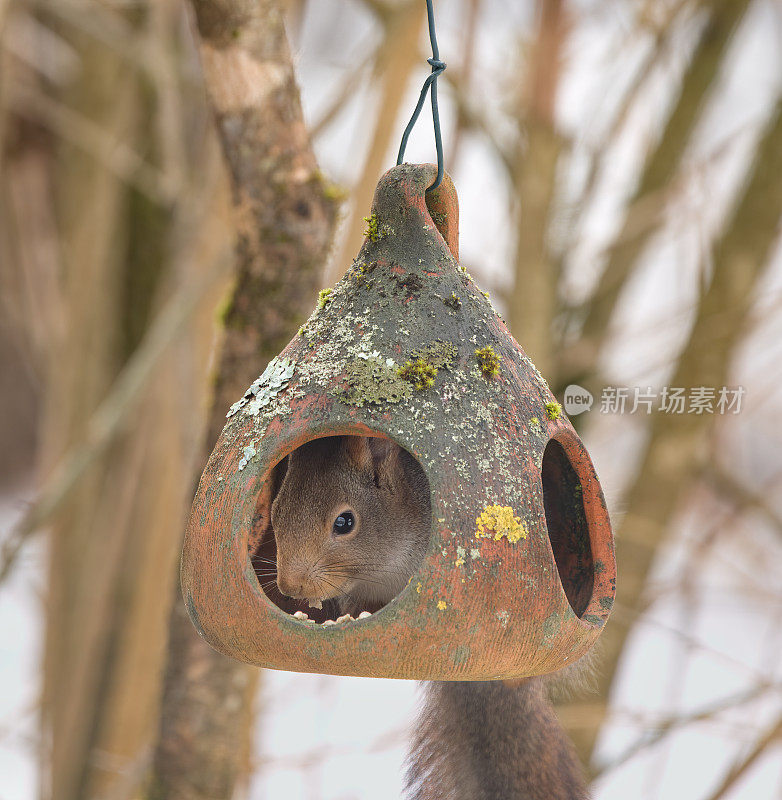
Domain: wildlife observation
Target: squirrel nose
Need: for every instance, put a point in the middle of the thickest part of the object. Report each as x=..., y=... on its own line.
x=290, y=581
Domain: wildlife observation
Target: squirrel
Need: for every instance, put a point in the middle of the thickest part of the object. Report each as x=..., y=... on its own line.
x=352, y=522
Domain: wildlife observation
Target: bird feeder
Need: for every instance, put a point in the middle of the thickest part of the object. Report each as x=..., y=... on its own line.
x=519, y=576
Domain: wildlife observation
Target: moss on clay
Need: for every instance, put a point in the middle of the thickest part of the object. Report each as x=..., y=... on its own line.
x=323, y=297
x=454, y=301
x=419, y=373
x=553, y=410
x=366, y=269
x=488, y=361
x=374, y=231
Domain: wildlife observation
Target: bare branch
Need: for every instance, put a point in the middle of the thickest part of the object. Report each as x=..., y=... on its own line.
x=395, y=59
x=659, y=169
x=769, y=739
x=666, y=727
x=728, y=484
x=673, y=455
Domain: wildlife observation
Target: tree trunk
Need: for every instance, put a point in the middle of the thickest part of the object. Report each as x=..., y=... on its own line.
x=285, y=214
x=533, y=299
x=114, y=537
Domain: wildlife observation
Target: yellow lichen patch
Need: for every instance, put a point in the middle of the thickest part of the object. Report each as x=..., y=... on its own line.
x=442, y=605
x=498, y=521
x=459, y=562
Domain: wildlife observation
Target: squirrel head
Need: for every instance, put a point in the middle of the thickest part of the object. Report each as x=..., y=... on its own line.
x=351, y=520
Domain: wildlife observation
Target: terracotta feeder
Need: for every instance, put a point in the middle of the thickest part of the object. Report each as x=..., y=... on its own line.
x=519, y=577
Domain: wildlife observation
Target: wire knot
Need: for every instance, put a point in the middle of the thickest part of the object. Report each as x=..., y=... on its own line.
x=438, y=67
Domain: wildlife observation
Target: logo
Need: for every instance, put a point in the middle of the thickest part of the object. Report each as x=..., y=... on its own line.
x=577, y=400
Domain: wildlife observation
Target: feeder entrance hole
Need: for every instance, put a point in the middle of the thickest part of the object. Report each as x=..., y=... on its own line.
x=262, y=544
x=568, y=528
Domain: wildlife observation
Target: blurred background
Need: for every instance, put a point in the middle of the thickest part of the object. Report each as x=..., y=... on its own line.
x=178, y=180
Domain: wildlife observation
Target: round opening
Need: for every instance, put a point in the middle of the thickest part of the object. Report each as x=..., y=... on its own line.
x=342, y=524
x=568, y=528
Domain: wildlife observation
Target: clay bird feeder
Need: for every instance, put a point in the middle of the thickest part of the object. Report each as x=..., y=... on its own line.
x=519, y=577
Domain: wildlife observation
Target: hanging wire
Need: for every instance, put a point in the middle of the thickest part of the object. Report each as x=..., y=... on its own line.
x=438, y=67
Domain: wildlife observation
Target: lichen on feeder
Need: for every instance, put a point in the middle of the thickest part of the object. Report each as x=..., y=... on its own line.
x=438, y=354
x=274, y=380
x=547, y=550
x=496, y=522
x=375, y=380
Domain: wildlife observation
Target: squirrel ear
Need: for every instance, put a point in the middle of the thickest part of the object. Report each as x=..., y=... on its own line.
x=357, y=451
x=386, y=463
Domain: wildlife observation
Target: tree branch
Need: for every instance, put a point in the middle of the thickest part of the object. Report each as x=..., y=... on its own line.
x=673, y=455
x=580, y=359
x=770, y=738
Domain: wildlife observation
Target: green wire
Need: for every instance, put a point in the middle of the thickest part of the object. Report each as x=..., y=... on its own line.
x=438, y=67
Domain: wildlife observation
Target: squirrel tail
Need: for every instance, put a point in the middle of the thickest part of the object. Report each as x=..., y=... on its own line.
x=491, y=740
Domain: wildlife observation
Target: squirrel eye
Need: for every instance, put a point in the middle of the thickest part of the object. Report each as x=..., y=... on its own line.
x=344, y=523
